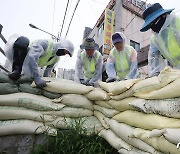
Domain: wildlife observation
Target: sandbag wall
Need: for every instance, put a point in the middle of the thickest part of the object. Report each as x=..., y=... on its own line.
x=134, y=116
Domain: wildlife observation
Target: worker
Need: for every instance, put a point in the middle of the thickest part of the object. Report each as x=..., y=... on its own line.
x=165, y=42
x=41, y=53
x=122, y=60
x=89, y=63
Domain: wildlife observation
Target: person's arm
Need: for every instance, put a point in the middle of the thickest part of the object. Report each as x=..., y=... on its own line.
x=98, y=71
x=36, y=50
x=133, y=73
x=154, y=58
x=79, y=68
x=110, y=68
x=48, y=70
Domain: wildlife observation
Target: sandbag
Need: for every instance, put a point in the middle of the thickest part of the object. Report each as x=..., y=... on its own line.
x=23, y=79
x=4, y=78
x=14, y=113
x=114, y=140
x=124, y=131
x=122, y=105
x=8, y=88
x=159, y=143
x=15, y=127
x=107, y=112
x=101, y=117
x=63, y=86
x=98, y=94
x=146, y=121
x=74, y=100
x=116, y=88
x=165, y=77
x=166, y=107
x=126, y=94
x=50, y=95
x=26, y=88
x=103, y=104
x=88, y=124
x=132, y=151
x=169, y=91
x=71, y=112
x=170, y=134
x=29, y=101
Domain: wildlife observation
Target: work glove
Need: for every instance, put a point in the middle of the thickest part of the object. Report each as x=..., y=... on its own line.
x=111, y=80
x=40, y=83
x=90, y=84
x=84, y=82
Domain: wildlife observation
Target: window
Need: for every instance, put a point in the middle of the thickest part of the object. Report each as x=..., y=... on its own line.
x=135, y=45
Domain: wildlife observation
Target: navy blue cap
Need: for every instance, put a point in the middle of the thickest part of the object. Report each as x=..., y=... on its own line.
x=116, y=38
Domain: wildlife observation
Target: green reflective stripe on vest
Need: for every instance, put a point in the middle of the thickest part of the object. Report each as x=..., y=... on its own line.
x=48, y=53
x=173, y=45
x=89, y=64
x=172, y=51
x=122, y=62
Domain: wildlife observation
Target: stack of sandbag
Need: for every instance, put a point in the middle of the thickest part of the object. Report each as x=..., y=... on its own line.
x=148, y=118
x=71, y=108
x=22, y=113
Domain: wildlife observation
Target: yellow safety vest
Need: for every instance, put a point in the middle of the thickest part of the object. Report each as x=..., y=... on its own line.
x=48, y=53
x=89, y=64
x=167, y=42
x=122, y=60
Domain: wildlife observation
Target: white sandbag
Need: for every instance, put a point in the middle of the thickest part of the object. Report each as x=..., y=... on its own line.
x=159, y=143
x=132, y=151
x=146, y=121
x=65, y=86
x=114, y=140
x=89, y=124
x=29, y=101
x=60, y=123
x=126, y=94
x=97, y=94
x=70, y=112
x=107, y=112
x=169, y=91
x=170, y=134
x=124, y=131
x=101, y=117
x=166, y=107
x=74, y=100
x=15, y=127
x=14, y=113
x=122, y=105
x=166, y=76
x=103, y=104
x=116, y=88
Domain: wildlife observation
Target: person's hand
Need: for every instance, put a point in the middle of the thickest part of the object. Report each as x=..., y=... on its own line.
x=40, y=83
x=111, y=80
x=90, y=84
x=84, y=82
